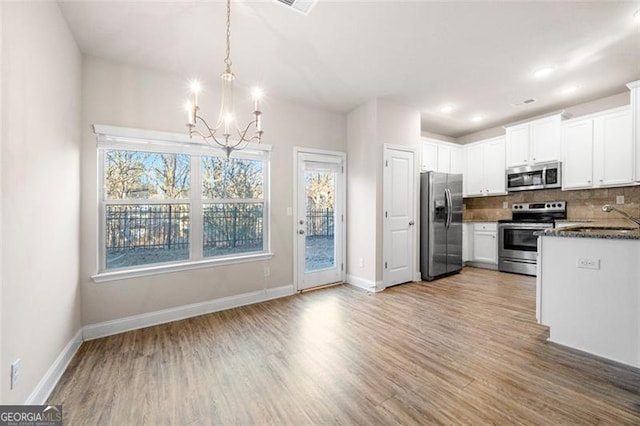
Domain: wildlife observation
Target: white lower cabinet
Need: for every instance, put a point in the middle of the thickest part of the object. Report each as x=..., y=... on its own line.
x=480, y=244
x=485, y=242
x=467, y=242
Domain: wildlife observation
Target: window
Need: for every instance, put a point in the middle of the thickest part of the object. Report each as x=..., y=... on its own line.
x=165, y=204
x=233, y=205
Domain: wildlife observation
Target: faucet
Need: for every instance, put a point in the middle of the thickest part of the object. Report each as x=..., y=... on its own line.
x=607, y=208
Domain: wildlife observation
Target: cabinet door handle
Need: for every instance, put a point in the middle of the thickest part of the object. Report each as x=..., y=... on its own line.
x=601, y=180
x=588, y=181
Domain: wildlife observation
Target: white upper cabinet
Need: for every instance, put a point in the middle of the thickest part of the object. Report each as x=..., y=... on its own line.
x=457, y=160
x=597, y=150
x=518, y=145
x=485, y=168
x=534, y=142
x=577, y=154
x=635, y=124
x=474, y=175
x=429, y=156
x=613, y=149
x=442, y=157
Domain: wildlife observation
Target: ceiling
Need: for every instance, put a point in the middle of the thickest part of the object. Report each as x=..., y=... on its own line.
x=478, y=57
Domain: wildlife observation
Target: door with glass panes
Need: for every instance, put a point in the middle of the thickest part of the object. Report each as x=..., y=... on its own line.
x=319, y=219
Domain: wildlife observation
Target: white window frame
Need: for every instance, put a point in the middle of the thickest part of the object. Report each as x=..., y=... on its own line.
x=120, y=138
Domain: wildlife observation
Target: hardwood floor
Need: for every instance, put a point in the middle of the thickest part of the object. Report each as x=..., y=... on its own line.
x=461, y=350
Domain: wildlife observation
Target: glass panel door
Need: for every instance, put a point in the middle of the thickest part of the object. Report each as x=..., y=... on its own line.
x=319, y=221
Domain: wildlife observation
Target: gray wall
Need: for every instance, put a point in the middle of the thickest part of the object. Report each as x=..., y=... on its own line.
x=41, y=74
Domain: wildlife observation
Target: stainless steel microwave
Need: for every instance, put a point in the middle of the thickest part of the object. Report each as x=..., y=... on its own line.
x=539, y=176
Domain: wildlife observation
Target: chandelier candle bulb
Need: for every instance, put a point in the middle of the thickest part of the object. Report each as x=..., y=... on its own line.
x=191, y=113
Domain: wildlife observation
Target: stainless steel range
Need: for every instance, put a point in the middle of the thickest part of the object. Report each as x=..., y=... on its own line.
x=517, y=244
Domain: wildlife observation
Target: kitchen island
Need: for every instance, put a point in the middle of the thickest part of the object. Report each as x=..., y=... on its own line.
x=588, y=289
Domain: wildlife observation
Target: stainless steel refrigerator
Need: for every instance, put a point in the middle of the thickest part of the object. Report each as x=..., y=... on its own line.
x=440, y=224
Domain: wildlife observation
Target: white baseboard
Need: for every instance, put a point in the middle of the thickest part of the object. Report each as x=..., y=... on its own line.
x=108, y=328
x=49, y=381
x=365, y=284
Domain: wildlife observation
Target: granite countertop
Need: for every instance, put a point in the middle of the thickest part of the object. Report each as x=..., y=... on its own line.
x=597, y=229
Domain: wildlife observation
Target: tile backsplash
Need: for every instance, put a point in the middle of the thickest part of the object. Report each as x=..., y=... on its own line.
x=581, y=204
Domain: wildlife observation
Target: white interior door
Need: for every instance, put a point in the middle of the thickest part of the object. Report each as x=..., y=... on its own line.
x=319, y=219
x=399, y=201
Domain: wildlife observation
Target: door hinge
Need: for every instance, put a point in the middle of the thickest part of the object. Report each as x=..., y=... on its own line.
x=341, y=218
x=342, y=168
x=342, y=266
x=386, y=214
x=385, y=265
x=386, y=163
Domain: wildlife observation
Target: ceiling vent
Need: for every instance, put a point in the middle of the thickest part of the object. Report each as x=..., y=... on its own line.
x=300, y=6
x=525, y=102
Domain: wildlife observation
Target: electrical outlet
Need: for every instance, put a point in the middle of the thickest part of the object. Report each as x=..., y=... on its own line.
x=619, y=199
x=361, y=262
x=505, y=204
x=267, y=271
x=588, y=263
x=15, y=373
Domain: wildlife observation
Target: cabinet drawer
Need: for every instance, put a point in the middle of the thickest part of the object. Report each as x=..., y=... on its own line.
x=488, y=226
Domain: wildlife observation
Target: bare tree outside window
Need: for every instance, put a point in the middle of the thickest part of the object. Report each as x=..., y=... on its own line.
x=137, y=234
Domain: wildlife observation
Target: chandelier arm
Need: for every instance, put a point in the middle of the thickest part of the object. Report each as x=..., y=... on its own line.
x=211, y=133
x=242, y=134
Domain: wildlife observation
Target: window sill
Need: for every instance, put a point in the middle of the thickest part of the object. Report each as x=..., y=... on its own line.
x=146, y=271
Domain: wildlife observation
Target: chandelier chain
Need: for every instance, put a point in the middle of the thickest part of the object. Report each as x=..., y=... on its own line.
x=227, y=61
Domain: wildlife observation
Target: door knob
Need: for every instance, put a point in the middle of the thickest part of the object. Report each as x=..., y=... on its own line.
x=301, y=222
x=301, y=232
x=412, y=222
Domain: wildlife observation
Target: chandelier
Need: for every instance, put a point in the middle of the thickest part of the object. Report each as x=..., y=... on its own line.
x=226, y=133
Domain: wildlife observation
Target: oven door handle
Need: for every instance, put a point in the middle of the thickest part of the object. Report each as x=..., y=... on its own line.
x=544, y=176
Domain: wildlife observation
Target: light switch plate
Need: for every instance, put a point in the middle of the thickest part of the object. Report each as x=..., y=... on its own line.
x=619, y=199
x=505, y=204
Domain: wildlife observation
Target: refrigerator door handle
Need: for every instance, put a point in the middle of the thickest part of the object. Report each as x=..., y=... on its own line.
x=447, y=197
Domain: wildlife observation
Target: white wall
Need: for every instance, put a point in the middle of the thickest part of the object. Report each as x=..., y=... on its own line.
x=2, y=376
x=362, y=158
x=129, y=96
x=396, y=125
x=370, y=126
x=41, y=68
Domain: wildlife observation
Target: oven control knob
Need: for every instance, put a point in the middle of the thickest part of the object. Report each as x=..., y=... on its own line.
x=553, y=205
x=548, y=205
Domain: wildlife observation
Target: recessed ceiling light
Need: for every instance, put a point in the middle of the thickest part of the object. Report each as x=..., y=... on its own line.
x=477, y=118
x=569, y=90
x=446, y=109
x=543, y=72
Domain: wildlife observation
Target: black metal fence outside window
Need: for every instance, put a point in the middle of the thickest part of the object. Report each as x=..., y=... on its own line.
x=320, y=223
x=147, y=226
x=232, y=227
